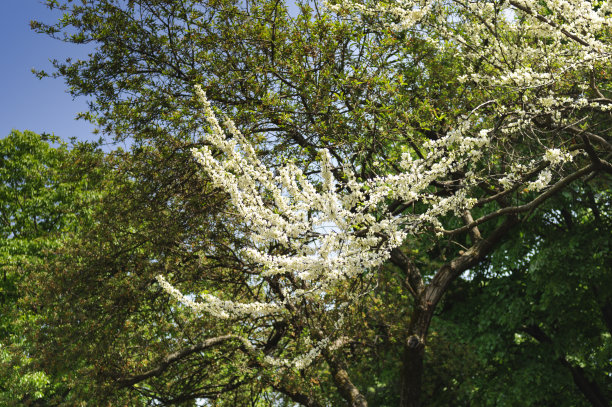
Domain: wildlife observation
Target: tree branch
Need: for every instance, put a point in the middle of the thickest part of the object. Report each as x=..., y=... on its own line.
x=343, y=382
x=176, y=356
x=413, y=280
x=474, y=232
x=296, y=396
x=447, y=273
x=513, y=210
x=543, y=19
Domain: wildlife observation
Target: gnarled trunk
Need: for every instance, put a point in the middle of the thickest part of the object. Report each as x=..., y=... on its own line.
x=414, y=352
x=427, y=298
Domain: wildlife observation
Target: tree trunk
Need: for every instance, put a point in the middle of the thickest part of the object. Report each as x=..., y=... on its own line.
x=412, y=375
x=414, y=352
x=427, y=298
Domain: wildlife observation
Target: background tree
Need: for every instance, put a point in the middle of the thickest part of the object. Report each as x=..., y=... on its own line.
x=46, y=190
x=538, y=311
x=301, y=82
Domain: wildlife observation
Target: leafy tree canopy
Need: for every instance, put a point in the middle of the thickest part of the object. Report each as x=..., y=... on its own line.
x=46, y=191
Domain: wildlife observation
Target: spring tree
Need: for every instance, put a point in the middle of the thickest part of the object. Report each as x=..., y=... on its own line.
x=317, y=238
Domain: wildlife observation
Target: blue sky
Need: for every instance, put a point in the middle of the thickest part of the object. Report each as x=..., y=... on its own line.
x=28, y=103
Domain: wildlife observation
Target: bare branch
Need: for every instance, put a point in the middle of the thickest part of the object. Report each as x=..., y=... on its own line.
x=177, y=356
x=526, y=207
x=591, y=136
x=547, y=21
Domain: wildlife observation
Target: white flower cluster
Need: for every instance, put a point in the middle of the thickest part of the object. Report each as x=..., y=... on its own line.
x=557, y=157
x=329, y=232
x=301, y=361
x=332, y=231
x=219, y=308
x=541, y=182
x=525, y=53
x=525, y=44
x=403, y=14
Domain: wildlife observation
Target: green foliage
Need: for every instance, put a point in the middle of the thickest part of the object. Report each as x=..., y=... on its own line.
x=537, y=316
x=44, y=195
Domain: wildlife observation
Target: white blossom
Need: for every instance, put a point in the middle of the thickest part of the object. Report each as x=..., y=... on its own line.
x=556, y=157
